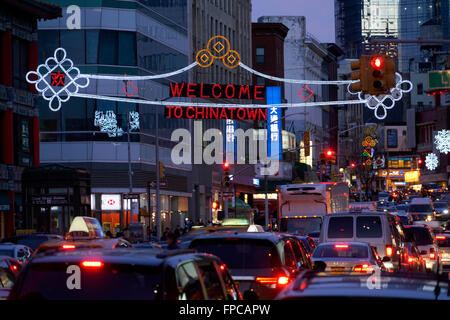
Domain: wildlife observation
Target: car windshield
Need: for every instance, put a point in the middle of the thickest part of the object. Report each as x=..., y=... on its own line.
x=419, y=216
x=58, y=281
x=420, y=208
x=444, y=243
x=401, y=207
x=7, y=252
x=341, y=251
x=404, y=219
x=421, y=235
x=240, y=253
x=306, y=226
x=440, y=204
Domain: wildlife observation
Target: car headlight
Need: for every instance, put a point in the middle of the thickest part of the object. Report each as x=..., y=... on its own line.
x=429, y=218
x=445, y=211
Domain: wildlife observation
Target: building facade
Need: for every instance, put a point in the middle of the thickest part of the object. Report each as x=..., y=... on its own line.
x=19, y=115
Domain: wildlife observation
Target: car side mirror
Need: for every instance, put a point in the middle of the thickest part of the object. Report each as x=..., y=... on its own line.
x=423, y=252
x=386, y=259
x=251, y=295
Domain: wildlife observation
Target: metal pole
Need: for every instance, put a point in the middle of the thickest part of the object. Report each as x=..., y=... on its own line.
x=130, y=173
x=338, y=153
x=158, y=212
x=266, y=202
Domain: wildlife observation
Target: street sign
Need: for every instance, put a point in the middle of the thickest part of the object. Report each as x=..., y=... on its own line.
x=131, y=196
x=438, y=80
x=162, y=184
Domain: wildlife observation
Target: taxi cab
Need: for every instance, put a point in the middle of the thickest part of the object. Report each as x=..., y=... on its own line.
x=84, y=232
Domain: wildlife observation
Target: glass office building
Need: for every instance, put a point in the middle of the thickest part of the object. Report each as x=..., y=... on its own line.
x=117, y=38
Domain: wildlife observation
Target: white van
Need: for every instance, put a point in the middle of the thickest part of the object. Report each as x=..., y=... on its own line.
x=380, y=229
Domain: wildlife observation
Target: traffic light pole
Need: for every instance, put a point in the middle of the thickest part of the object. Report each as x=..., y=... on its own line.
x=158, y=212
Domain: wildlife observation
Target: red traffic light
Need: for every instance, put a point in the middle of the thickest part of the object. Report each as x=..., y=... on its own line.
x=352, y=164
x=215, y=205
x=329, y=153
x=226, y=165
x=419, y=161
x=377, y=63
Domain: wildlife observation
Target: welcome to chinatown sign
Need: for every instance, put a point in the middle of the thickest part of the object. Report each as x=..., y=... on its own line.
x=217, y=91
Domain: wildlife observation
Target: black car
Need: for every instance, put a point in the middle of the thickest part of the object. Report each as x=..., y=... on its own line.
x=262, y=263
x=32, y=240
x=9, y=270
x=125, y=274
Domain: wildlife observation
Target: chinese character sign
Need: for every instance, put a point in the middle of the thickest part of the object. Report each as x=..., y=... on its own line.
x=274, y=123
x=57, y=79
x=230, y=128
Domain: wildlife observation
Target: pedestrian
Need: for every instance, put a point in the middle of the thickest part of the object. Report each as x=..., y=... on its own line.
x=172, y=241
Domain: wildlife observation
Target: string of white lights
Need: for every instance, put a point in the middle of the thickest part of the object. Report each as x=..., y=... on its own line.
x=157, y=76
x=216, y=105
x=336, y=82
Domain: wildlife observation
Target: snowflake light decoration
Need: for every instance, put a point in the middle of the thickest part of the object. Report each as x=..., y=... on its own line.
x=442, y=141
x=107, y=123
x=134, y=120
x=431, y=161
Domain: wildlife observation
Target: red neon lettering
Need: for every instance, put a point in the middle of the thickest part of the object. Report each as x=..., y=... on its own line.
x=244, y=90
x=201, y=92
x=223, y=114
x=229, y=96
x=232, y=111
x=197, y=112
x=262, y=114
x=251, y=113
x=176, y=92
x=213, y=91
x=170, y=111
x=189, y=90
x=257, y=92
x=243, y=111
x=180, y=113
x=187, y=112
x=214, y=112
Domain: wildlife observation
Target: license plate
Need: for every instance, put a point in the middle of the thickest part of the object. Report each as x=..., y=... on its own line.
x=337, y=269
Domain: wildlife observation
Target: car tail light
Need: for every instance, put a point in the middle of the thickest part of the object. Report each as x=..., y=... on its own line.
x=68, y=246
x=281, y=280
x=92, y=264
x=432, y=254
x=341, y=246
x=363, y=268
x=389, y=251
x=440, y=237
x=410, y=259
x=223, y=267
x=14, y=268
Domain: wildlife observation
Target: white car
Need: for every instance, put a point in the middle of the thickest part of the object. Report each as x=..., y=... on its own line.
x=17, y=251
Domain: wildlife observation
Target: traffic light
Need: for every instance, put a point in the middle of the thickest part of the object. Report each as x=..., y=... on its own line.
x=215, y=205
x=381, y=74
x=352, y=165
x=376, y=74
x=226, y=174
x=330, y=156
x=161, y=169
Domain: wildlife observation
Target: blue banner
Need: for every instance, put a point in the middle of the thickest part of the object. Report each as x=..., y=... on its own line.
x=274, y=136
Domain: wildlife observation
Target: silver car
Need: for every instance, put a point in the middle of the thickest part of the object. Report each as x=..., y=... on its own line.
x=443, y=241
x=425, y=242
x=347, y=257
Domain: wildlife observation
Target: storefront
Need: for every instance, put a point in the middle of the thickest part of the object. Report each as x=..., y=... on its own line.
x=393, y=179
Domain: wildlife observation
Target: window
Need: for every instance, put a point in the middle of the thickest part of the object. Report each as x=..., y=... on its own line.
x=419, y=88
x=189, y=282
x=260, y=55
x=368, y=227
x=392, y=138
x=92, y=42
x=108, y=47
x=211, y=281
x=330, y=251
x=20, y=63
x=289, y=256
x=340, y=227
x=74, y=43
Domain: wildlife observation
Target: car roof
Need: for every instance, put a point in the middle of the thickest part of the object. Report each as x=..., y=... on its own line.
x=270, y=236
x=362, y=213
x=135, y=256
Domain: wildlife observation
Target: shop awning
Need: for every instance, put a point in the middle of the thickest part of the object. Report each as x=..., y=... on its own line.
x=5, y=202
x=240, y=205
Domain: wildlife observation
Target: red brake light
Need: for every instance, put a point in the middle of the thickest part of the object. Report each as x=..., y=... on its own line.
x=14, y=267
x=341, y=246
x=363, y=268
x=68, y=246
x=283, y=280
x=92, y=264
x=389, y=251
x=432, y=254
x=440, y=237
x=223, y=266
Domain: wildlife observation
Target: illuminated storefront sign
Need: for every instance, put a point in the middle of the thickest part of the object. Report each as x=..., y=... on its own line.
x=273, y=125
x=217, y=91
x=408, y=175
x=111, y=202
x=235, y=113
x=412, y=177
x=262, y=196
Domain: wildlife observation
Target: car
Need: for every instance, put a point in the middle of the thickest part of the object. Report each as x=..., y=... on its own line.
x=359, y=206
x=415, y=260
x=382, y=230
x=423, y=237
x=262, y=263
x=404, y=217
x=422, y=212
x=308, y=242
x=323, y=287
x=443, y=242
x=441, y=210
x=401, y=208
x=348, y=257
x=383, y=196
x=9, y=270
x=125, y=274
x=31, y=240
x=17, y=251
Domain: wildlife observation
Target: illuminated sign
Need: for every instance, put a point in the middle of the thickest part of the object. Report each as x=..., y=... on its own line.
x=262, y=196
x=392, y=173
x=273, y=124
x=215, y=113
x=111, y=202
x=412, y=176
x=255, y=182
x=217, y=91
